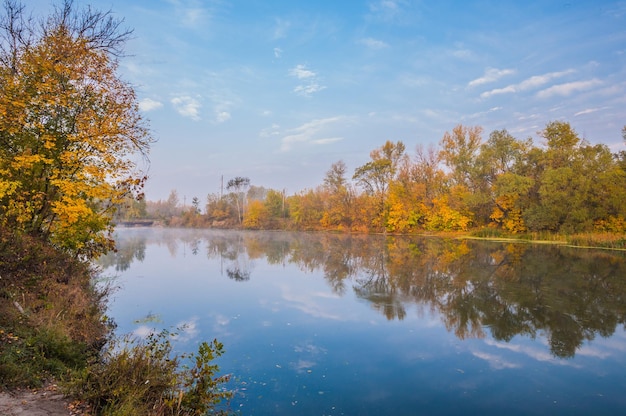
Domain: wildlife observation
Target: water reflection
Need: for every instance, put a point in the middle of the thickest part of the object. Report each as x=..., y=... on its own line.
x=567, y=295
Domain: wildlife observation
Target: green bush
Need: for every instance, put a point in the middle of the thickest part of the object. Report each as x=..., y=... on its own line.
x=143, y=378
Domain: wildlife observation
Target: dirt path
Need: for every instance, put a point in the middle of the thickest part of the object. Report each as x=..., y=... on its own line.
x=43, y=402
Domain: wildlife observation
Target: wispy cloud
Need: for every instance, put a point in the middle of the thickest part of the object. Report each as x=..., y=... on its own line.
x=222, y=116
x=274, y=130
x=307, y=132
x=568, y=88
x=482, y=113
x=327, y=140
x=372, y=43
x=308, y=89
x=301, y=72
x=528, y=84
x=148, y=104
x=311, y=84
x=187, y=106
x=281, y=28
x=278, y=53
x=386, y=10
x=191, y=13
x=491, y=75
x=589, y=111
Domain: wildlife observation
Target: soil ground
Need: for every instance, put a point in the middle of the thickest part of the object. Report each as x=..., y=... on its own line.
x=42, y=402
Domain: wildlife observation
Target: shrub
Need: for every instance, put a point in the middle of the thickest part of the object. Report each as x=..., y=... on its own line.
x=141, y=377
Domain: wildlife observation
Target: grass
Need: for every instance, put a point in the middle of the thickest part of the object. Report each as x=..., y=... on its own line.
x=606, y=240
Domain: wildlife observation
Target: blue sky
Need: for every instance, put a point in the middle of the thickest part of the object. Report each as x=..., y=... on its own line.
x=277, y=91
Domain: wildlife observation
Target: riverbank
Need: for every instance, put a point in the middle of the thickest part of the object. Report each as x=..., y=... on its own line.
x=57, y=347
x=47, y=401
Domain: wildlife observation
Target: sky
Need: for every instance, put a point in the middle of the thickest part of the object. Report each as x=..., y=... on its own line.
x=279, y=90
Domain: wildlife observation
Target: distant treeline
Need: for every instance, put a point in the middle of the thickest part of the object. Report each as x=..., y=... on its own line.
x=564, y=185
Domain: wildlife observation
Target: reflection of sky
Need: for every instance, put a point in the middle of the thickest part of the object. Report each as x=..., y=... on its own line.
x=296, y=347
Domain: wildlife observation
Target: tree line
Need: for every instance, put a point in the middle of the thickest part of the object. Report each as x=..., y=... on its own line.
x=562, y=185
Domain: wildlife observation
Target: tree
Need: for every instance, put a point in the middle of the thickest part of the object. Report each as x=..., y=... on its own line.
x=238, y=186
x=338, y=198
x=458, y=152
x=70, y=128
x=376, y=175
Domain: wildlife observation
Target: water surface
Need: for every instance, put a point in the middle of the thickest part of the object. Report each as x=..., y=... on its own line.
x=323, y=324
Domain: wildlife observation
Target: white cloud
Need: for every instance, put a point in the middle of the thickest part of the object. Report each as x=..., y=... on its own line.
x=482, y=113
x=529, y=83
x=306, y=132
x=278, y=52
x=187, y=106
x=222, y=116
x=274, y=130
x=190, y=13
x=568, y=88
x=327, y=140
x=308, y=89
x=281, y=28
x=386, y=9
x=301, y=72
x=491, y=75
x=148, y=104
x=588, y=111
x=311, y=86
x=372, y=43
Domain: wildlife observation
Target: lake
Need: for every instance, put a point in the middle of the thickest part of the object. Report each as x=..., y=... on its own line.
x=333, y=324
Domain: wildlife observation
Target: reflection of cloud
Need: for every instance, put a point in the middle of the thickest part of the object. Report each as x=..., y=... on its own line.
x=307, y=304
x=303, y=365
x=222, y=320
x=495, y=361
x=311, y=353
x=143, y=331
x=187, y=330
x=533, y=353
x=593, y=352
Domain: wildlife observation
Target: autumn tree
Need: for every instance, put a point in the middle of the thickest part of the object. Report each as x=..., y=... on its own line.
x=376, y=175
x=338, y=196
x=238, y=186
x=70, y=129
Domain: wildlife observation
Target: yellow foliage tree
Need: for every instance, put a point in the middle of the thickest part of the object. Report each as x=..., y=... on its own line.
x=70, y=129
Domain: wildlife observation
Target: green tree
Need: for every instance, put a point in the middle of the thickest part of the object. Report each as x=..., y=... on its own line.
x=70, y=128
x=459, y=151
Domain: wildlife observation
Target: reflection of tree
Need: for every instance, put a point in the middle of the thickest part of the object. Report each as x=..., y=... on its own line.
x=570, y=295
x=128, y=250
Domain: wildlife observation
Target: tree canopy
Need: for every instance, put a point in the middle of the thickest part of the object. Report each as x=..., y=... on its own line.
x=71, y=135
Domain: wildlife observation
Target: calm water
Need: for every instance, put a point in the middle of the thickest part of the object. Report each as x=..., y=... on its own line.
x=318, y=324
